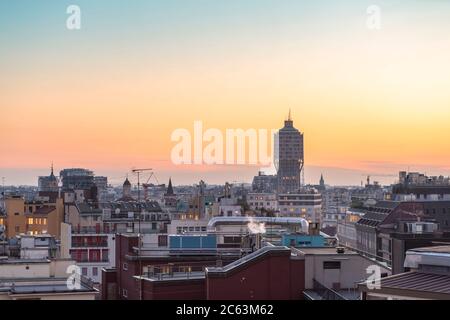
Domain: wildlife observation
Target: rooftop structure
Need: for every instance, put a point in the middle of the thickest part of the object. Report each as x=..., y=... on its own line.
x=41, y=279
x=427, y=278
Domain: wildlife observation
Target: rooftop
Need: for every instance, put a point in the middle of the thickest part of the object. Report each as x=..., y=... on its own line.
x=415, y=281
x=435, y=249
x=23, y=261
x=325, y=251
x=252, y=256
x=176, y=276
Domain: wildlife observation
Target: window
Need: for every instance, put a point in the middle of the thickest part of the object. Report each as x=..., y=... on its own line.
x=162, y=241
x=17, y=229
x=125, y=266
x=95, y=271
x=125, y=293
x=331, y=265
x=30, y=220
x=105, y=255
x=84, y=271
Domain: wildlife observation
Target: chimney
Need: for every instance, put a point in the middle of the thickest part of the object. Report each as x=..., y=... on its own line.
x=314, y=229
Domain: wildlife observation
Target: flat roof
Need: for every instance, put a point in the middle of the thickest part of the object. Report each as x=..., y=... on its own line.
x=176, y=276
x=325, y=251
x=51, y=288
x=40, y=286
x=24, y=261
x=435, y=249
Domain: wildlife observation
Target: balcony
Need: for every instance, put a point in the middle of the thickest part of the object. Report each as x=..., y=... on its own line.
x=103, y=244
x=86, y=260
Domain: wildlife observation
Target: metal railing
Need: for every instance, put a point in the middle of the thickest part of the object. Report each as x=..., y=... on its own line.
x=325, y=292
x=90, y=245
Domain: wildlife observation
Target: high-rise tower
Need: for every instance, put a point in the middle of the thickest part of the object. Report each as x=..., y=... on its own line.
x=290, y=157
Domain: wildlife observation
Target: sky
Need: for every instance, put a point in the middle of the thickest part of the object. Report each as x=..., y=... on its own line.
x=108, y=96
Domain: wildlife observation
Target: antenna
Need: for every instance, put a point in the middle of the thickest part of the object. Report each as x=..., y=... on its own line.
x=138, y=172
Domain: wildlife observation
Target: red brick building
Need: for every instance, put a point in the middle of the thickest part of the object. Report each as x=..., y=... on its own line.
x=122, y=282
x=271, y=273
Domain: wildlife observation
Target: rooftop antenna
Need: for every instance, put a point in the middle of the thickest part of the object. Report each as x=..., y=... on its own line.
x=138, y=172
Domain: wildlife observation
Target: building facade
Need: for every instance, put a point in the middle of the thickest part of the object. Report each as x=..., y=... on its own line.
x=290, y=157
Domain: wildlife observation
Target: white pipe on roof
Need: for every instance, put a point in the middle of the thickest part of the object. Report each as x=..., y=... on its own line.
x=245, y=220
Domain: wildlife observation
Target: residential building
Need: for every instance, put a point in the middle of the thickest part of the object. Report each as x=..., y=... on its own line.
x=33, y=217
x=91, y=248
x=263, y=183
x=77, y=179
x=334, y=273
x=41, y=279
x=307, y=204
x=419, y=187
x=262, y=201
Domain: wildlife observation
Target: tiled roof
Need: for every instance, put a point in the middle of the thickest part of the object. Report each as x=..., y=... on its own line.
x=377, y=213
x=44, y=210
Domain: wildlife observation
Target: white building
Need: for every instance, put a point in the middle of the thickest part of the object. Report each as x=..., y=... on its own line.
x=92, y=250
x=41, y=279
x=307, y=205
x=266, y=201
x=37, y=246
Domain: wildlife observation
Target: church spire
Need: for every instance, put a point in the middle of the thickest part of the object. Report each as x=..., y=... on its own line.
x=170, y=188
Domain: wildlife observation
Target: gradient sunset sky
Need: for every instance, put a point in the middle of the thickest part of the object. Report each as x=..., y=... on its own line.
x=107, y=97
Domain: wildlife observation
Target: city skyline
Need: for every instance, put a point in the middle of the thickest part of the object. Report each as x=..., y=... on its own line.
x=108, y=96
x=223, y=156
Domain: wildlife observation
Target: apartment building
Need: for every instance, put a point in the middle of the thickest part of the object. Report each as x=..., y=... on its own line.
x=41, y=279
x=42, y=216
x=91, y=248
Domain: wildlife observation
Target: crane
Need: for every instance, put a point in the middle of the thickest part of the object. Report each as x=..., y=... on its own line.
x=146, y=185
